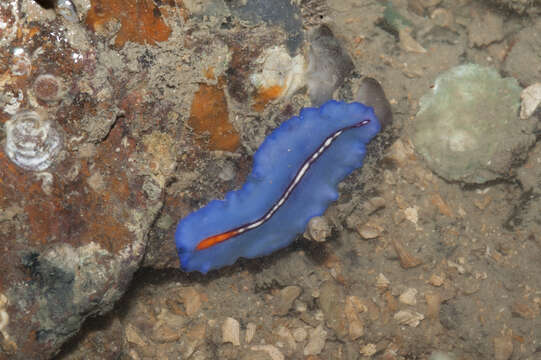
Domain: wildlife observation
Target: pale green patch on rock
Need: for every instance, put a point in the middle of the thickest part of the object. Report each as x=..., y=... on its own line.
x=468, y=129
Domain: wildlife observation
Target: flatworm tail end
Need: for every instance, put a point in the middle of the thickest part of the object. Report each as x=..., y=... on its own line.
x=295, y=176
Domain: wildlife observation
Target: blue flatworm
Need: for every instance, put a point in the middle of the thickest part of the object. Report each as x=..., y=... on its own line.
x=294, y=178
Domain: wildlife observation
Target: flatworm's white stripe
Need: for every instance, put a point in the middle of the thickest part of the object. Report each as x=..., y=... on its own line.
x=296, y=180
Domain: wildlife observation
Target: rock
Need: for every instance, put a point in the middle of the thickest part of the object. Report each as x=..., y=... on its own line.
x=485, y=29
x=231, y=331
x=316, y=342
x=371, y=93
x=467, y=127
x=81, y=223
x=281, y=14
x=522, y=62
x=286, y=298
x=328, y=65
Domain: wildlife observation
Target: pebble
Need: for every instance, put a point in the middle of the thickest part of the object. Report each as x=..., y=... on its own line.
x=408, y=43
x=438, y=355
x=227, y=172
x=369, y=349
x=132, y=335
x=374, y=204
x=433, y=305
x=300, y=334
x=443, y=17
x=412, y=214
x=191, y=299
x=408, y=317
x=194, y=337
x=271, y=350
x=407, y=260
x=286, y=336
x=331, y=302
x=408, y=297
x=531, y=98
x=171, y=319
x=524, y=310
x=461, y=270
x=503, y=347
x=164, y=333
x=399, y=153
x=352, y=308
x=470, y=286
x=286, y=298
x=316, y=342
x=250, y=332
x=436, y=280
x=442, y=206
x=231, y=331
x=368, y=232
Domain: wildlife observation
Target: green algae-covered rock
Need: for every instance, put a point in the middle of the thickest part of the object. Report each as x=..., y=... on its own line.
x=467, y=128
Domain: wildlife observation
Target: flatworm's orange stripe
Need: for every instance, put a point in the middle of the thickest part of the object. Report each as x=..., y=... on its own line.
x=216, y=239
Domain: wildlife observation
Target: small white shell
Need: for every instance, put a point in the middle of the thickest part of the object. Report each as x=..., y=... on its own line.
x=408, y=317
x=318, y=229
x=279, y=69
x=382, y=282
x=31, y=142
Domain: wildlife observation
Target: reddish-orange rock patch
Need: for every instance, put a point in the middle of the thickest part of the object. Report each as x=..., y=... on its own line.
x=265, y=95
x=141, y=21
x=210, y=118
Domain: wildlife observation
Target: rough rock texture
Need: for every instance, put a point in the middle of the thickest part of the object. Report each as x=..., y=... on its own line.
x=134, y=119
x=74, y=231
